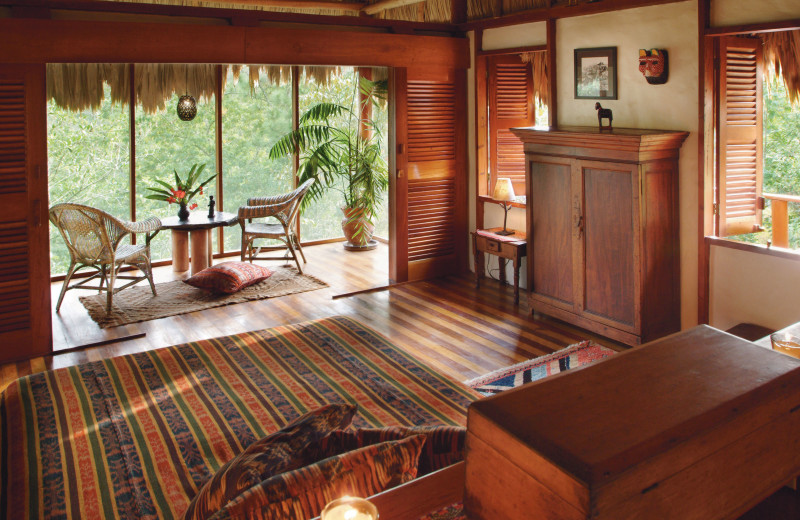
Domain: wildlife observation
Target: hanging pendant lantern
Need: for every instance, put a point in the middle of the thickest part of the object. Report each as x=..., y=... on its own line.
x=187, y=108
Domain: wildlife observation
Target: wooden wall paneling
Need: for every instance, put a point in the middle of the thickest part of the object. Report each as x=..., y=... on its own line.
x=56, y=41
x=25, y=323
x=462, y=174
x=706, y=164
x=481, y=121
x=398, y=177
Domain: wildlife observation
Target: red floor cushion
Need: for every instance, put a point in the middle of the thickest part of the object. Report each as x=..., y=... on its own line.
x=229, y=277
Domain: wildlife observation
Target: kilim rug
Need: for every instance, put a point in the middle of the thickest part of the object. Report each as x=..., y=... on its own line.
x=572, y=356
x=137, y=436
x=137, y=303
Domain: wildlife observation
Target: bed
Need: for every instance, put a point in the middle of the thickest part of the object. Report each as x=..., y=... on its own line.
x=136, y=436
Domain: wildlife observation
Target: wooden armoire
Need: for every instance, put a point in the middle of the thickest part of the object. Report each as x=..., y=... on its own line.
x=603, y=243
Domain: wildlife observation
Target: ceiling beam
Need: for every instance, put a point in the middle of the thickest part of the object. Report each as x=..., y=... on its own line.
x=564, y=11
x=383, y=5
x=252, y=17
x=300, y=4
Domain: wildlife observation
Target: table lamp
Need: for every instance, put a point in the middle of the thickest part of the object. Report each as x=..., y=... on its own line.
x=504, y=192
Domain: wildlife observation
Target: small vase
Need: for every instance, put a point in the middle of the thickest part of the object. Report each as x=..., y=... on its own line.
x=183, y=212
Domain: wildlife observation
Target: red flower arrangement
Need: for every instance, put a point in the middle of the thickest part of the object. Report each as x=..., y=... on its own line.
x=183, y=191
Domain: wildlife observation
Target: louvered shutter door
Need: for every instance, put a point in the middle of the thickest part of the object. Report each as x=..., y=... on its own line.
x=740, y=170
x=24, y=248
x=436, y=205
x=510, y=105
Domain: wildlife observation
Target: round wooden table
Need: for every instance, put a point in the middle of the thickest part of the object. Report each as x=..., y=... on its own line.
x=197, y=230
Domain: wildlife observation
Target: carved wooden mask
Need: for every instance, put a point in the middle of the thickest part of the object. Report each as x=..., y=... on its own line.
x=654, y=64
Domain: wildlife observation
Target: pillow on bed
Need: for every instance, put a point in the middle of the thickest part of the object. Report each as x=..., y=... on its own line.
x=229, y=277
x=444, y=445
x=282, y=451
x=303, y=493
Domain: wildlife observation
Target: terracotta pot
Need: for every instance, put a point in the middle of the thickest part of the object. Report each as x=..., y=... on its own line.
x=357, y=229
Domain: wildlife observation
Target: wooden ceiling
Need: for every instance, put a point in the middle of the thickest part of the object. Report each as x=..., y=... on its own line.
x=440, y=14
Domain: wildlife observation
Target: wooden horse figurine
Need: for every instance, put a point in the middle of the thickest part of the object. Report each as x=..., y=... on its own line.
x=603, y=113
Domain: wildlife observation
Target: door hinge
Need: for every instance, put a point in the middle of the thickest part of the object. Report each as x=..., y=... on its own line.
x=760, y=202
x=716, y=208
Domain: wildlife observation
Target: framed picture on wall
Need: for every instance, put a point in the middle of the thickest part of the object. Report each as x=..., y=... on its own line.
x=596, y=73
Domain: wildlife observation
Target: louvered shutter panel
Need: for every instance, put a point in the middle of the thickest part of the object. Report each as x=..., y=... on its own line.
x=24, y=250
x=740, y=170
x=435, y=209
x=511, y=105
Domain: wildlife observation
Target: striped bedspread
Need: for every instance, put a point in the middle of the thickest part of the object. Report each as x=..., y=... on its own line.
x=137, y=436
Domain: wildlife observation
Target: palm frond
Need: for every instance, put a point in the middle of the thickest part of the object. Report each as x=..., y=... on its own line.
x=322, y=112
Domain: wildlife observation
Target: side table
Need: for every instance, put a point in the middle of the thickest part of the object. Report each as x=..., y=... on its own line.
x=511, y=247
x=195, y=229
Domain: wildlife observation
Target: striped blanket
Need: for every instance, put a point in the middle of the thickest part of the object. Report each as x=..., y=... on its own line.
x=137, y=436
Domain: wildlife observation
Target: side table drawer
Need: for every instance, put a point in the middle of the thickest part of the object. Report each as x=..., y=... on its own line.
x=488, y=245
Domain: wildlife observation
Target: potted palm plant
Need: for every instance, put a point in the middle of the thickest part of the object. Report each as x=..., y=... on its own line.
x=333, y=146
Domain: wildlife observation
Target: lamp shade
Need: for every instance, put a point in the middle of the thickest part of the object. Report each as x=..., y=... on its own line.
x=187, y=108
x=503, y=190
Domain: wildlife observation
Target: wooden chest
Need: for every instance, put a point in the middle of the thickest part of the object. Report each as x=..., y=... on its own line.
x=697, y=425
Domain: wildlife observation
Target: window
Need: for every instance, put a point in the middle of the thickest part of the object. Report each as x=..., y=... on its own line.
x=252, y=122
x=88, y=162
x=89, y=142
x=515, y=96
x=758, y=183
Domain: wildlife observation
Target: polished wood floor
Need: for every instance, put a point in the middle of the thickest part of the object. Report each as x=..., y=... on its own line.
x=447, y=323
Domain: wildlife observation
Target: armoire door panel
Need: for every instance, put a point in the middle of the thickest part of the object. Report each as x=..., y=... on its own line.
x=609, y=221
x=550, y=234
x=25, y=325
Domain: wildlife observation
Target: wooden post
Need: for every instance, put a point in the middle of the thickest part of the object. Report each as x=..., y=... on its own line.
x=132, y=147
x=364, y=104
x=552, y=109
x=780, y=223
x=218, y=127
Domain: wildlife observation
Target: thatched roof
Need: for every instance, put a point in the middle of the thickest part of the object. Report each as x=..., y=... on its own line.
x=541, y=87
x=79, y=86
x=782, y=51
x=423, y=11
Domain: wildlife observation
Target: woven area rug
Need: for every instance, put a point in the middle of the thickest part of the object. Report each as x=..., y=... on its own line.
x=572, y=356
x=137, y=303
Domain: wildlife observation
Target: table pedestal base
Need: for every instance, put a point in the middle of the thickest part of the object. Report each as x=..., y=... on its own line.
x=200, y=240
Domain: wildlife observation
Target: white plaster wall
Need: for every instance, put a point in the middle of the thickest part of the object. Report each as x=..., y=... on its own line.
x=523, y=35
x=753, y=288
x=739, y=12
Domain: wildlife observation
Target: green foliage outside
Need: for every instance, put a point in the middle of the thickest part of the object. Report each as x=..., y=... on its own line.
x=89, y=157
x=88, y=163
x=781, y=158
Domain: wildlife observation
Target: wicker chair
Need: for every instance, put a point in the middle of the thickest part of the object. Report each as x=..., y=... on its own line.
x=285, y=208
x=93, y=238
